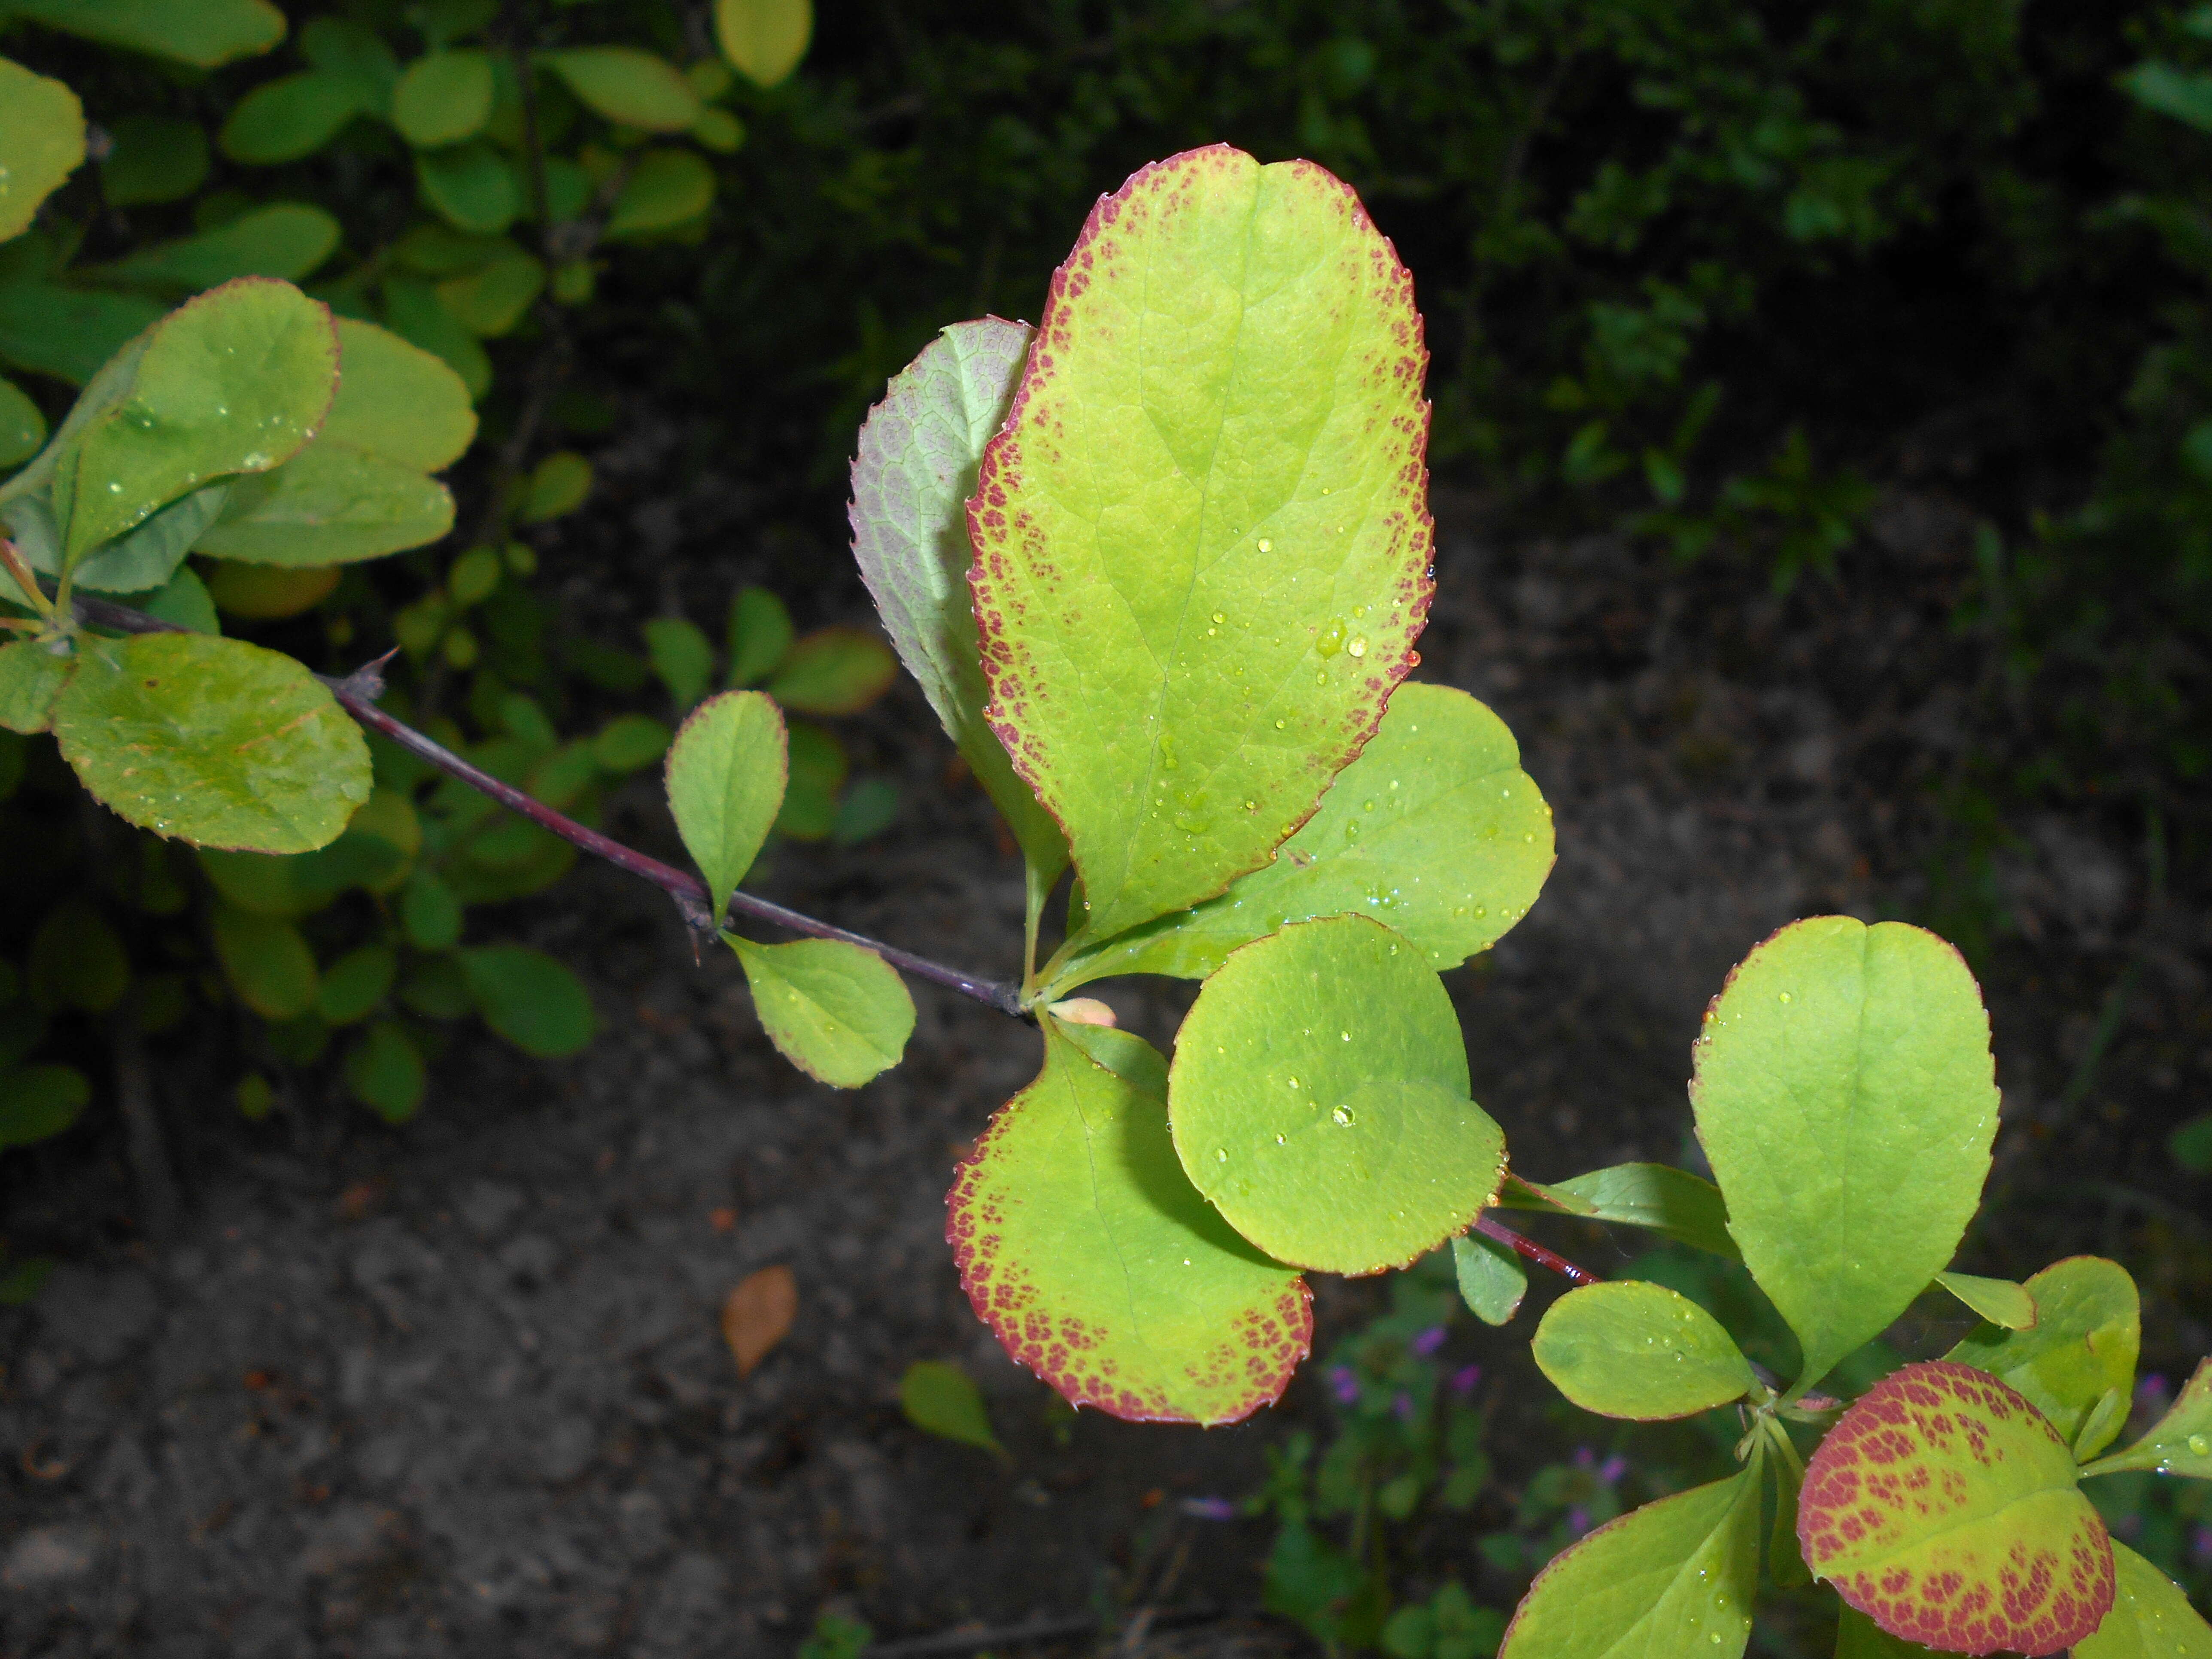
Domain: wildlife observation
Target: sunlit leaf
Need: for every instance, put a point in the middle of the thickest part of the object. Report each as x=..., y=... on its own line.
x=2151, y=1618
x=1944, y=1507
x=2180, y=1443
x=214, y=741
x=1084, y=1246
x=1845, y=1096
x=836, y=1011
x=396, y=400
x=626, y=85
x=1320, y=1100
x=758, y=1314
x=1491, y=1278
x=443, y=97
x=289, y=118
x=726, y=777
x=1219, y=428
x=267, y=963
x=531, y=999
x=1639, y=1351
x=204, y=33
x=331, y=504
x=287, y=240
x=666, y=188
x=41, y=143
x=31, y=675
x=2082, y=1346
x=1999, y=1301
x=764, y=39
x=940, y=1399
x=835, y=671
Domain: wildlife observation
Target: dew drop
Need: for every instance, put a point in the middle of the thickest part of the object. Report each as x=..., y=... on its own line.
x=1282, y=1140
x=1345, y=1035
x=1294, y=1083
x=1321, y=680
x=1358, y=646
x=1330, y=639
x=1342, y=1116
x=1785, y=996
x=1221, y=1155
x=1220, y=616
x=1279, y=726
x=2200, y=1445
x=1266, y=546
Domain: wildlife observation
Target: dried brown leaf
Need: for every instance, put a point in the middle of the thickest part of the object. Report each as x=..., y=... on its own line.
x=758, y=1314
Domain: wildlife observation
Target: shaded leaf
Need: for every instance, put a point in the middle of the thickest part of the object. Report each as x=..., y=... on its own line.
x=37, y=1102
x=725, y=778
x=1491, y=1278
x=667, y=188
x=756, y=1315
x=68, y=332
x=2180, y=1443
x=1085, y=1248
x=2151, y=1618
x=287, y=240
x=148, y=556
x=1639, y=1351
x=331, y=504
x=429, y=913
x=1999, y=1301
x=1858, y=1637
x=834, y=671
x=352, y=986
x=153, y=159
x=763, y=39
x=1944, y=1507
x=1670, y=1201
x=531, y=999
x=204, y=33
x=2083, y=1346
x=443, y=97
x=681, y=656
x=184, y=600
x=760, y=633
x=397, y=401
x=558, y=486
x=412, y=310
x=818, y=766
x=264, y=591
x=384, y=1069
x=2172, y=91
x=77, y=960
x=493, y=298
x=30, y=677
x=939, y=1399
x=624, y=84
x=267, y=963
x=289, y=118
x=41, y=143
x=630, y=741
x=22, y=426
x=471, y=186
x=836, y=1011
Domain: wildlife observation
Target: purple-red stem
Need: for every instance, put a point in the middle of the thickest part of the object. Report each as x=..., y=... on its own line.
x=1534, y=1252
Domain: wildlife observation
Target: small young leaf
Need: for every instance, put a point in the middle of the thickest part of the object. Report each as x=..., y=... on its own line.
x=1944, y=1507
x=1223, y=428
x=835, y=670
x=760, y=633
x=756, y=1315
x=429, y=913
x=266, y=962
x=939, y=1399
x=725, y=777
x=1319, y=1098
x=1670, y=1201
x=286, y=241
x=214, y=741
x=558, y=486
x=1085, y=1248
x=153, y=159
x=630, y=742
x=834, y=1010
x=531, y=999
x=22, y=426
x=1491, y=1278
x=31, y=676
x=912, y=476
x=2151, y=1618
x=41, y=143
x=1845, y=1094
x=472, y=185
x=289, y=118
x=352, y=985
x=1999, y=1301
x=1672, y=1578
x=2083, y=1346
x=2180, y=1443
x=681, y=655
x=1434, y=830
x=77, y=961
x=385, y=1071
x=1639, y=1351
x=37, y=1102
x=330, y=505
x=666, y=189
x=763, y=39
x=397, y=401
x=623, y=84
x=443, y=98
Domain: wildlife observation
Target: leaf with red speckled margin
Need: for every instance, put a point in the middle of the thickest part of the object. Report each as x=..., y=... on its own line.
x=1945, y=1508
x=1202, y=538
x=1858, y=1637
x=2151, y=1618
x=1099, y=1265
x=1675, y=1578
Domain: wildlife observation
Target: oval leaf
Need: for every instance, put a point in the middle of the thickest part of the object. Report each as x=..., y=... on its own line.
x=1491, y=1278
x=23, y=425
x=531, y=999
x=471, y=186
x=286, y=241
x=41, y=143
x=834, y=1010
x=1320, y=1100
x=942, y=1399
x=1207, y=515
x=285, y=120
x=267, y=963
x=331, y=504
x=386, y=1072
x=397, y=401
x=214, y=741
x=1670, y=1202
x=763, y=39
x=442, y=98
x=1675, y=1577
x=835, y=671
x=204, y=33
x=30, y=677
x=756, y=1315
x=2082, y=1346
x=1846, y=1097
x=1945, y=1508
x=623, y=84
x=2151, y=1618
x=1999, y=1301
x=37, y=1102
x=1639, y=1351
x=726, y=775
x=666, y=189
x=1085, y=1248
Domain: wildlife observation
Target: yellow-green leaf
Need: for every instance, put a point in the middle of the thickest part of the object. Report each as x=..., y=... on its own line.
x=2081, y=1347
x=1639, y=1351
x=626, y=85
x=396, y=400
x=287, y=240
x=1999, y=1301
x=30, y=677
x=725, y=776
x=331, y=504
x=836, y=1011
x=443, y=97
x=666, y=189
x=2180, y=1443
x=203, y=33
x=289, y=119
x=267, y=963
x=558, y=486
x=764, y=39
x=2151, y=1618
x=834, y=671
x=22, y=426
x=41, y=143
x=942, y=1399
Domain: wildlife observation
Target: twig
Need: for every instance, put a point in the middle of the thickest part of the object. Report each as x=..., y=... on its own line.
x=1534, y=1251
x=357, y=694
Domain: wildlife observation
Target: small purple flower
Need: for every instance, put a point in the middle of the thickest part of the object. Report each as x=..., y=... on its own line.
x=1210, y=1509
x=1344, y=1385
x=1613, y=1468
x=1402, y=1407
x=1577, y=1521
x=1429, y=1341
x=1585, y=1458
x=1464, y=1379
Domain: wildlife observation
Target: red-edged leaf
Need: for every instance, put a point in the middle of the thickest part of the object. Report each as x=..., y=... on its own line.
x=1946, y=1508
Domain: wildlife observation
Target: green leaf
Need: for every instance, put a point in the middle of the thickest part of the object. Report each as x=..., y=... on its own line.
x=682, y=656
x=68, y=332
x=339, y=47
x=1670, y=1201
x=1672, y=1578
x=763, y=39
x=2087, y=1331
x=31, y=675
x=470, y=185
x=2172, y=91
x=41, y=143
x=1846, y=1097
x=667, y=188
x=819, y=766
x=22, y=426
x=184, y=600
x=266, y=962
x=214, y=741
x=286, y=241
x=1221, y=428
x=1491, y=1280
x=866, y=809
x=153, y=159
x=352, y=985
x=2191, y=1145
x=726, y=775
x=429, y=915
x=1434, y=831
x=1086, y=1248
x=1639, y=1351
x=412, y=310
x=623, y=84
x=1999, y=1301
x=1320, y=1100
x=266, y=592
x=834, y=1010
x=37, y=1102
x=490, y=300
x=1943, y=1507
x=2151, y=1618
x=77, y=961
x=204, y=33
x=235, y=381
x=331, y=504
x=289, y=118
x=148, y=557
x=834, y=671
x=2180, y=1443
x=531, y=999
x=628, y=742
x=397, y=401
x=443, y=97
x=558, y=485
x=385, y=1071
x=374, y=853
x=760, y=632
x=940, y=1399
x=911, y=480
